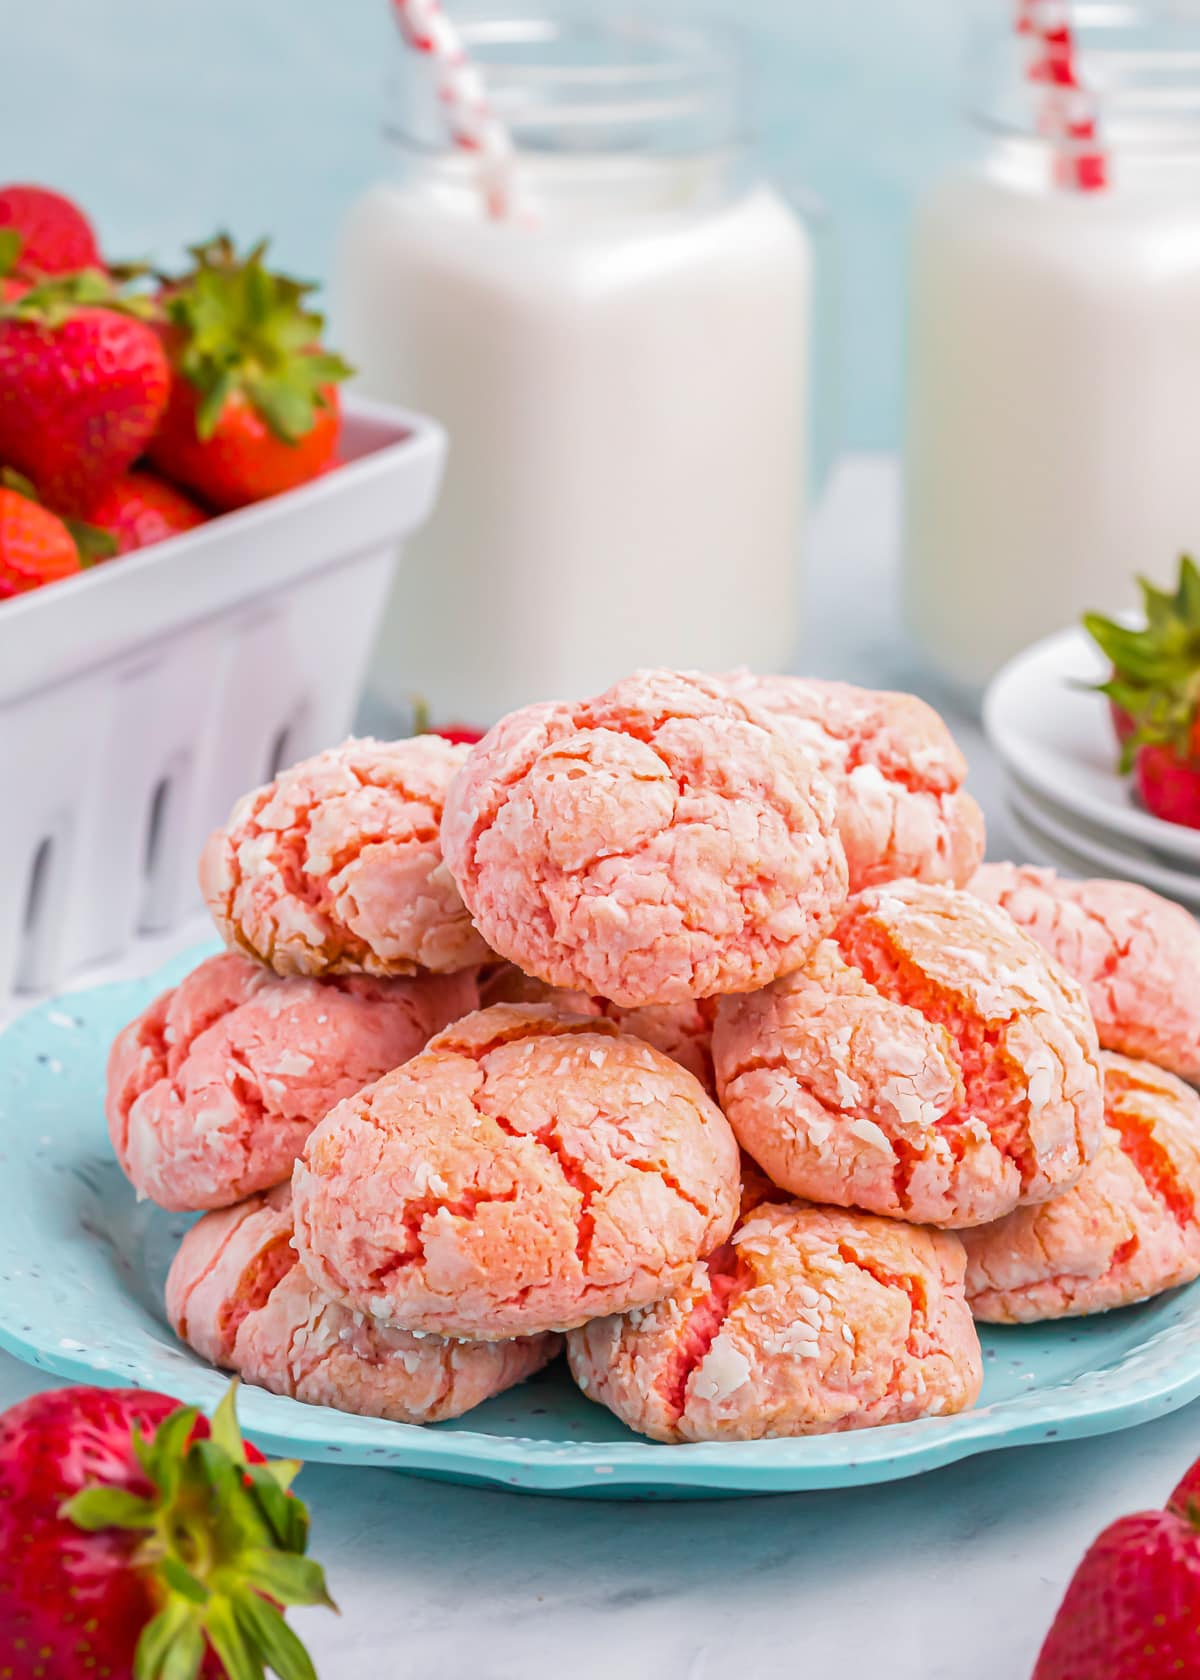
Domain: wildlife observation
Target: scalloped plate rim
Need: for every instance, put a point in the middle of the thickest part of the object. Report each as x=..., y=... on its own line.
x=852, y=1458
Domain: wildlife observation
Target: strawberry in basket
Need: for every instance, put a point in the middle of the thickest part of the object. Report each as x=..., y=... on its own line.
x=1154, y=695
x=36, y=545
x=138, y=1539
x=254, y=404
x=139, y=508
x=42, y=232
x=83, y=385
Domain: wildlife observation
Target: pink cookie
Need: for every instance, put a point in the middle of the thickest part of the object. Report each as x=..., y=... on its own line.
x=1128, y=1230
x=663, y=842
x=335, y=866
x=237, y=1294
x=930, y=1063
x=526, y=1172
x=1136, y=955
x=682, y=1031
x=896, y=771
x=808, y=1321
x=213, y=1089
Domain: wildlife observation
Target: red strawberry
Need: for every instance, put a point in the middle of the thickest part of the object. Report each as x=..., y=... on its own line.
x=1154, y=695
x=135, y=1538
x=83, y=385
x=1132, y=1609
x=254, y=407
x=459, y=733
x=139, y=509
x=53, y=235
x=35, y=547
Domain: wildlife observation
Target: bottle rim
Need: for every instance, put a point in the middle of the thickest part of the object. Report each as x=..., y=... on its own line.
x=563, y=82
x=1140, y=67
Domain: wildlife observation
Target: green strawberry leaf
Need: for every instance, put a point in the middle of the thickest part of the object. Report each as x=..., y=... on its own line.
x=11, y=241
x=171, y=1646
x=224, y=1430
x=267, y=1633
x=237, y=1657
x=96, y=1508
x=285, y=1577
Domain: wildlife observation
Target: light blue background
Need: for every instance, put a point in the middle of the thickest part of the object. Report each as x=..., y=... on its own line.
x=169, y=119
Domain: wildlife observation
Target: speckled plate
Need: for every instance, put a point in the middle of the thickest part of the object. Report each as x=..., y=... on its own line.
x=82, y=1267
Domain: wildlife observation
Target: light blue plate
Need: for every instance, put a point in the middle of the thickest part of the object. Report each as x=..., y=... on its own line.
x=82, y=1267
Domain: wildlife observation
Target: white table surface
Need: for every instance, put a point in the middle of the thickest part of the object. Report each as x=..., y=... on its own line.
x=951, y=1574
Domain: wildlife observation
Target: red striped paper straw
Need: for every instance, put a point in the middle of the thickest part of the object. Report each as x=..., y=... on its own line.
x=474, y=126
x=1067, y=113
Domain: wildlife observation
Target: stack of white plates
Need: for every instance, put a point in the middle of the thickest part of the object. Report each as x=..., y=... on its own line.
x=1066, y=799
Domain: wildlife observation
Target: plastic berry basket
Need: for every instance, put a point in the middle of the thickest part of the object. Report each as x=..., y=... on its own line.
x=138, y=700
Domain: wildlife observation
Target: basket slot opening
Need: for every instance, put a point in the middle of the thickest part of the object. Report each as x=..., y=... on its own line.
x=156, y=826
x=279, y=756
x=35, y=917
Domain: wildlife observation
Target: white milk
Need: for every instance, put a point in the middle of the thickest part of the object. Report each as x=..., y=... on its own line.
x=1053, y=444
x=624, y=384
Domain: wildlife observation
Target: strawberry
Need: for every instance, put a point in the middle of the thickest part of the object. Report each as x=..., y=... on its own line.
x=35, y=546
x=1133, y=1606
x=83, y=385
x=1154, y=695
x=458, y=734
x=254, y=406
x=138, y=1540
x=50, y=235
x=138, y=509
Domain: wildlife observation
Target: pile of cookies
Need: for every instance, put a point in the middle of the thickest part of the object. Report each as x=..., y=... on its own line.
x=683, y=1023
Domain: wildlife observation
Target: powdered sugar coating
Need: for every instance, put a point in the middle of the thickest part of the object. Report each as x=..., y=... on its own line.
x=1128, y=1230
x=662, y=842
x=1137, y=956
x=526, y=1172
x=929, y=1063
x=808, y=1321
x=896, y=771
x=335, y=867
x=213, y=1089
x=682, y=1031
x=237, y=1294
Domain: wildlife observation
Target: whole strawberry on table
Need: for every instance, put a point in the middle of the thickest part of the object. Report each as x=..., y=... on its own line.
x=1132, y=1609
x=141, y=1542
x=1154, y=695
x=143, y=412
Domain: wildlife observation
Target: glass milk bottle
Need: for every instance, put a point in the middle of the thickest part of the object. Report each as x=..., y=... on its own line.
x=1053, y=446
x=622, y=370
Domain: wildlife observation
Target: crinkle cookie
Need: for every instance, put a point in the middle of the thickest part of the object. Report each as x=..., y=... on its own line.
x=1136, y=955
x=897, y=774
x=1128, y=1230
x=213, y=1089
x=662, y=842
x=809, y=1320
x=335, y=867
x=526, y=1172
x=237, y=1294
x=682, y=1031
x=930, y=1062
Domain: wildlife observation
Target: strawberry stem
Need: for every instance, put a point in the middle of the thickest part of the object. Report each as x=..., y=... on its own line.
x=225, y=1545
x=242, y=329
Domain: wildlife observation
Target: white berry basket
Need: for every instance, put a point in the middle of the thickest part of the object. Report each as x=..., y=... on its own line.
x=138, y=700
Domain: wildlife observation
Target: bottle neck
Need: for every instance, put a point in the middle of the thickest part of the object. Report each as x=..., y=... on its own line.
x=1137, y=99
x=607, y=117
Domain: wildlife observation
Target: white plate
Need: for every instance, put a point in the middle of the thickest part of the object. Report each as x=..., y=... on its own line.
x=1096, y=853
x=1057, y=737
